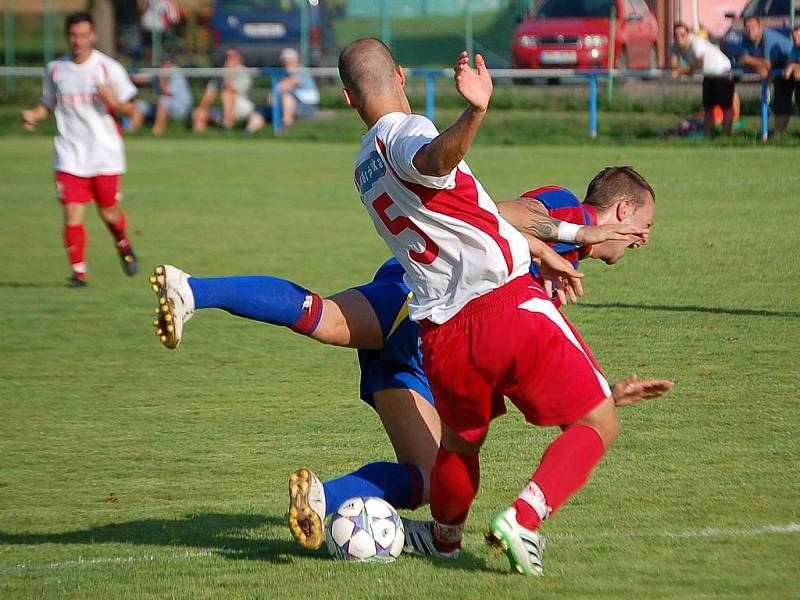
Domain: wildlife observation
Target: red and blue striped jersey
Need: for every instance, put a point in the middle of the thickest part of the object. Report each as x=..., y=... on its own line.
x=563, y=205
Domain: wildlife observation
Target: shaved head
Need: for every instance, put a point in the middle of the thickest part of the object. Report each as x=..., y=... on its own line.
x=367, y=68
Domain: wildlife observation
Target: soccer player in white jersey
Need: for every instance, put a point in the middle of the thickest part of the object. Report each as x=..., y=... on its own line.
x=88, y=92
x=487, y=329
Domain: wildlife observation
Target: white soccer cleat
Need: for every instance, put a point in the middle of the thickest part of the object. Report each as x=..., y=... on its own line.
x=307, y=507
x=175, y=303
x=419, y=540
x=522, y=546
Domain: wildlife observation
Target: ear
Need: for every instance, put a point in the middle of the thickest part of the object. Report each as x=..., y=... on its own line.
x=624, y=210
x=401, y=75
x=348, y=97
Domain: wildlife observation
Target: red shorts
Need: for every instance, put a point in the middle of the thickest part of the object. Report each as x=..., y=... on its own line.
x=72, y=189
x=510, y=342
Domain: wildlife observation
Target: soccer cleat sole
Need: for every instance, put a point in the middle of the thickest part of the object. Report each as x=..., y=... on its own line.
x=304, y=524
x=498, y=538
x=164, y=329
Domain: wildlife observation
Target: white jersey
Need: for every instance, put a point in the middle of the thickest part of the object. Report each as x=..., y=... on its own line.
x=445, y=231
x=89, y=140
x=715, y=63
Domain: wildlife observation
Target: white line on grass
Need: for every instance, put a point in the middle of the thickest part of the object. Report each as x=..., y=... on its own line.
x=688, y=533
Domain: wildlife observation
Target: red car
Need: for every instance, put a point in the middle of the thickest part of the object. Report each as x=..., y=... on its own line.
x=576, y=34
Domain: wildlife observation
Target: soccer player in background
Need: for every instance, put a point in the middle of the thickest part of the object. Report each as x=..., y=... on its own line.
x=487, y=329
x=88, y=92
x=374, y=319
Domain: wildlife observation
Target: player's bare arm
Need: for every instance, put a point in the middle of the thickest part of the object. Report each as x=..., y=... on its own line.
x=32, y=116
x=444, y=153
x=630, y=390
x=530, y=217
x=555, y=269
x=109, y=97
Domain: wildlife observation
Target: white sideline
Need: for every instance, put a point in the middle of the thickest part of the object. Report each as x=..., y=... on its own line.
x=134, y=558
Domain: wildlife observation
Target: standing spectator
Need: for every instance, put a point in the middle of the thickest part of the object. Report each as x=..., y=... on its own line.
x=764, y=51
x=158, y=16
x=234, y=91
x=699, y=54
x=298, y=93
x=88, y=91
x=174, y=99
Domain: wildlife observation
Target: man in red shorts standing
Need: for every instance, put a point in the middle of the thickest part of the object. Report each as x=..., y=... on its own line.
x=488, y=329
x=88, y=92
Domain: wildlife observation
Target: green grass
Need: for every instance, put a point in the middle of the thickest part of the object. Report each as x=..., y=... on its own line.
x=196, y=444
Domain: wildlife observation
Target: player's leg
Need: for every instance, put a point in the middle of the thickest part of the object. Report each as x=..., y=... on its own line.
x=162, y=116
x=412, y=425
x=709, y=101
x=107, y=193
x=228, y=101
x=200, y=119
x=288, y=109
x=346, y=319
x=73, y=193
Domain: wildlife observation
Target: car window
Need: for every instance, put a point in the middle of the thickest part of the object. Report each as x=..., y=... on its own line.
x=252, y=6
x=778, y=7
x=554, y=9
x=754, y=8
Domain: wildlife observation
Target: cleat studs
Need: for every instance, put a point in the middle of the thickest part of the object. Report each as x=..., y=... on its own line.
x=152, y=280
x=168, y=318
x=160, y=279
x=154, y=288
x=155, y=324
x=163, y=339
x=293, y=512
x=156, y=311
x=303, y=486
x=159, y=331
x=162, y=301
x=170, y=328
x=159, y=270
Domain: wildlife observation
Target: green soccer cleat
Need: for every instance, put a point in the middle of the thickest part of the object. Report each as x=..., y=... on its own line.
x=522, y=546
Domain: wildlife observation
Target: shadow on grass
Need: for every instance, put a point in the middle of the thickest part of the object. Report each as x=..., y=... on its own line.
x=714, y=310
x=225, y=535
x=30, y=284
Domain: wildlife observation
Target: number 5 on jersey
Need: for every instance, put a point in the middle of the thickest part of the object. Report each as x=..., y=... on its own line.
x=398, y=225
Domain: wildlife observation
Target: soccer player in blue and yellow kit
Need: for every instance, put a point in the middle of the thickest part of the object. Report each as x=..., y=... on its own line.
x=374, y=319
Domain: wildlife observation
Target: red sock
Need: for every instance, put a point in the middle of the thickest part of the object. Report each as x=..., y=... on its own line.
x=563, y=470
x=454, y=483
x=75, y=243
x=118, y=231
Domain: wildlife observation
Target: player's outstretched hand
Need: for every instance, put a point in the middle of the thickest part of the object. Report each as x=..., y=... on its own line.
x=630, y=390
x=475, y=85
x=595, y=234
x=560, y=276
x=28, y=119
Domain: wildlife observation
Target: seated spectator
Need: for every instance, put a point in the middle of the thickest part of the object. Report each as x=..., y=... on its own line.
x=299, y=96
x=792, y=72
x=764, y=51
x=234, y=89
x=699, y=54
x=174, y=100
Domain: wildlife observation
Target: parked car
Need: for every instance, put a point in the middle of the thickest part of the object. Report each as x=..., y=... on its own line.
x=260, y=29
x=773, y=13
x=577, y=33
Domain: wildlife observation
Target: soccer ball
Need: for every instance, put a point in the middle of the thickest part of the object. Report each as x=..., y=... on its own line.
x=365, y=529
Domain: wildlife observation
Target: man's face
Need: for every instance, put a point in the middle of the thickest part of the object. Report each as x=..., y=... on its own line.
x=752, y=29
x=796, y=37
x=233, y=58
x=81, y=38
x=627, y=213
x=682, y=37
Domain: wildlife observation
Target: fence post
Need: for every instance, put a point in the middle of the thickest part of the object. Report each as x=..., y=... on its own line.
x=47, y=24
x=385, y=33
x=468, y=36
x=277, y=119
x=612, y=50
x=593, y=106
x=304, y=32
x=764, y=111
x=430, y=96
x=8, y=32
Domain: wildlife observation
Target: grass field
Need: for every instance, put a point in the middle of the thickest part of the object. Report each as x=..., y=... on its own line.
x=699, y=499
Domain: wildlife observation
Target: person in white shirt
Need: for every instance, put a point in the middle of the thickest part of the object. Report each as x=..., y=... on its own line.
x=487, y=329
x=699, y=54
x=88, y=92
x=234, y=93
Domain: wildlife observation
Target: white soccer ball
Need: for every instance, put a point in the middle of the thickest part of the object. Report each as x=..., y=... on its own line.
x=365, y=529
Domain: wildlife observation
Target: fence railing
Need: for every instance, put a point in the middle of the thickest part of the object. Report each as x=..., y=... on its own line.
x=591, y=77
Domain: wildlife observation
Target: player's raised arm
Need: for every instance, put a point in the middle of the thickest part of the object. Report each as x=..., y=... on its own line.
x=443, y=154
x=531, y=218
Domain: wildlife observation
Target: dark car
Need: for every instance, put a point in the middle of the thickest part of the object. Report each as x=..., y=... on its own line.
x=260, y=29
x=773, y=13
x=577, y=34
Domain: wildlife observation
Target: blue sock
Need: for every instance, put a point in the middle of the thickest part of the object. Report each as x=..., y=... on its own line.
x=400, y=485
x=261, y=298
